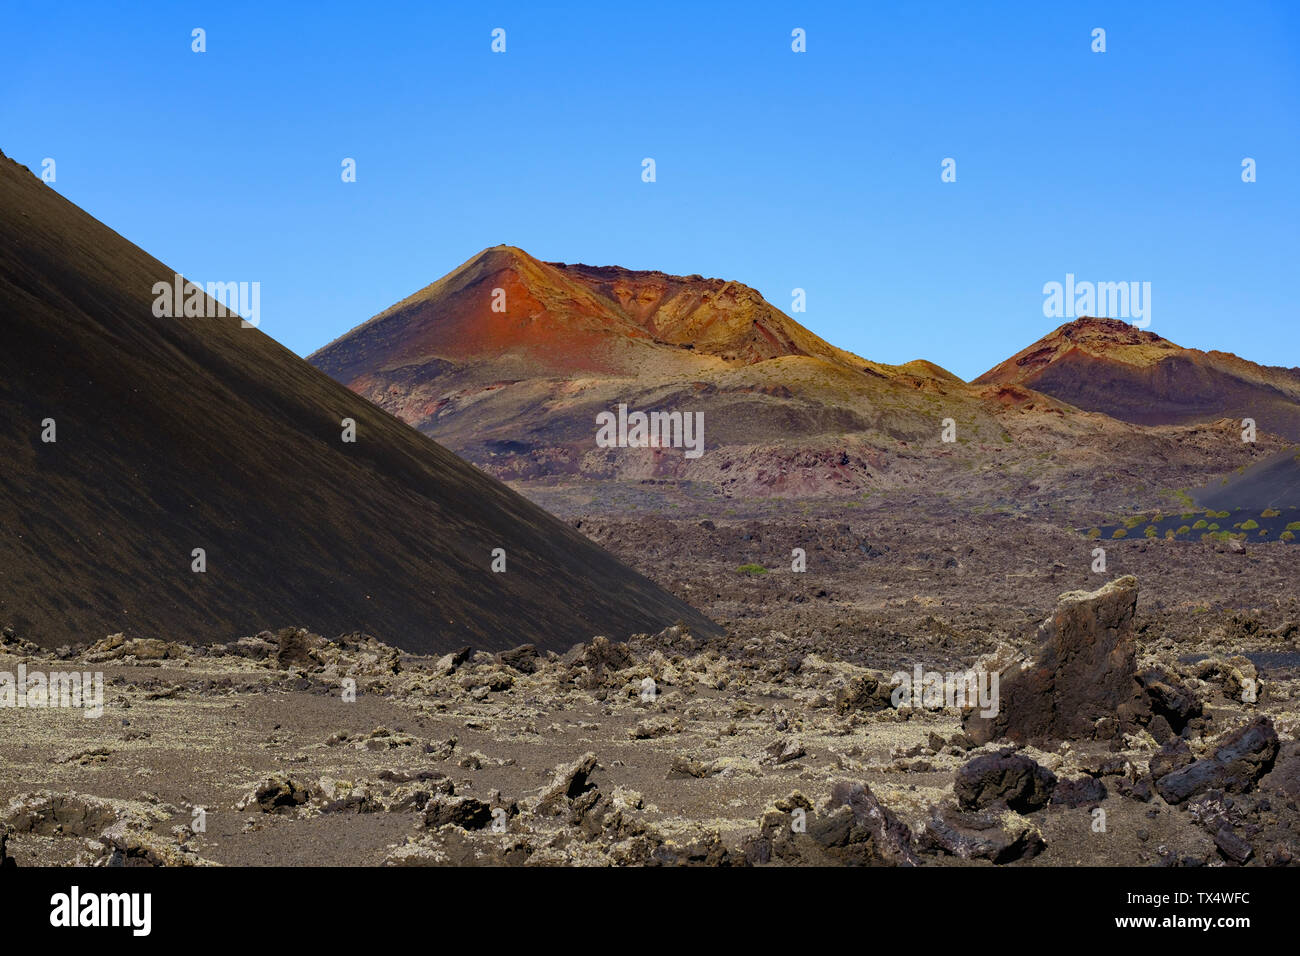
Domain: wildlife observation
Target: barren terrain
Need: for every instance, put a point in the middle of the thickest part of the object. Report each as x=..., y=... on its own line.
x=534, y=758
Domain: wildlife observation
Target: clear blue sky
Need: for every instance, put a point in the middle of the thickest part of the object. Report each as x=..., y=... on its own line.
x=818, y=170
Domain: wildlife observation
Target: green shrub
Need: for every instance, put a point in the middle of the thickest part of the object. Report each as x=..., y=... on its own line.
x=752, y=569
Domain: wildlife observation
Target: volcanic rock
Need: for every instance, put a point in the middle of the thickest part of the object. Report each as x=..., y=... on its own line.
x=1232, y=846
x=864, y=692
x=996, y=835
x=891, y=837
x=1236, y=764
x=1078, y=792
x=571, y=789
x=1084, y=670
x=1004, y=777
x=464, y=812
x=1173, y=705
x=523, y=658
x=127, y=844
x=275, y=794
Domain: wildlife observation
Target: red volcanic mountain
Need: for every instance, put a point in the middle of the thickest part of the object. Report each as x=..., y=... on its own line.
x=1108, y=365
x=518, y=315
x=173, y=434
x=508, y=359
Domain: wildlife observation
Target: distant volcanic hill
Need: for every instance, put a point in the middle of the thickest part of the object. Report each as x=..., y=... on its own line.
x=508, y=361
x=176, y=434
x=1108, y=365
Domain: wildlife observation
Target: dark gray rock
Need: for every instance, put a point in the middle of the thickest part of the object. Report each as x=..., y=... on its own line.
x=523, y=658
x=1234, y=767
x=464, y=812
x=1004, y=777
x=891, y=836
x=1078, y=792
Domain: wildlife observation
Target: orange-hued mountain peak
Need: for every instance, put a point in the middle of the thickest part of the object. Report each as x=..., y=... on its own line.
x=528, y=317
x=1113, y=339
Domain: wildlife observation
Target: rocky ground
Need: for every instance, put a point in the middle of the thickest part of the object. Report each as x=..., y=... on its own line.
x=1147, y=724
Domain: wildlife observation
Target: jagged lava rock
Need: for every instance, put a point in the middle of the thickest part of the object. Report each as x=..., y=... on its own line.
x=1235, y=765
x=1085, y=669
x=1007, y=777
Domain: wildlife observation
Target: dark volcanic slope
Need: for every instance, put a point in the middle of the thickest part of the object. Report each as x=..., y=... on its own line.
x=1107, y=365
x=1272, y=483
x=175, y=434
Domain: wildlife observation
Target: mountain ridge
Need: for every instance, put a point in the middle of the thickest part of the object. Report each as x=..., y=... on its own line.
x=517, y=392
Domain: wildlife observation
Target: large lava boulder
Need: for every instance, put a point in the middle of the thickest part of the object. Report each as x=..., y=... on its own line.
x=1085, y=669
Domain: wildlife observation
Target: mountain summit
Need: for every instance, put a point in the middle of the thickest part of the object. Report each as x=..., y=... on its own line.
x=530, y=317
x=1110, y=366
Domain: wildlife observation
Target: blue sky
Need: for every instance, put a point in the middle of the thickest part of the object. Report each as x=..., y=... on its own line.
x=818, y=170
